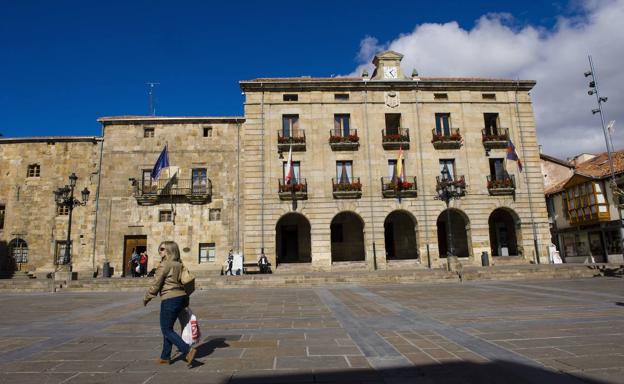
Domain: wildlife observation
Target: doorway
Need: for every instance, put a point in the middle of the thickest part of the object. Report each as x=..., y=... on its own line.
x=132, y=243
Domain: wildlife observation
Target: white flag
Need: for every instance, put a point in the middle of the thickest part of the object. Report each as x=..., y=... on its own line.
x=289, y=172
x=611, y=127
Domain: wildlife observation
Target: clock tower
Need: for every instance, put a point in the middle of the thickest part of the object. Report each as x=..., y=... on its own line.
x=388, y=66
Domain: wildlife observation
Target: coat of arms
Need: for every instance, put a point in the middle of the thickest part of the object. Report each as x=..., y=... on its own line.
x=392, y=99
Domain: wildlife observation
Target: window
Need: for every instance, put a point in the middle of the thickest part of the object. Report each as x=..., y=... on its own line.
x=450, y=165
x=2, y=211
x=344, y=171
x=341, y=124
x=393, y=123
x=497, y=169
x=199, y=180
x=291, y=97
x=440, y=96
x=59, y=254
x=148, y=132
x=18, y=249
x=207, y=252
x=214, y=214
x=165, y=215
x=392, y=169
x=62, y=210
x=207, y=131
x=443, y=124
x=34, y=170
x=290, y=124
x=296, y=167
x=586, y=202
x=147, y=185
x=488, y=96
x=341, y=96
x=491, y=123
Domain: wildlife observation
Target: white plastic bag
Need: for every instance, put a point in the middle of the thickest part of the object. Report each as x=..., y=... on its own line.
x=190, y=326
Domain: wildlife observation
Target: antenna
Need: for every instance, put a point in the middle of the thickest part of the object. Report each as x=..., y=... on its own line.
x=152, y=99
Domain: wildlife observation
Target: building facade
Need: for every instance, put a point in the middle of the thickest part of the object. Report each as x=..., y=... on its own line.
x=365, y=155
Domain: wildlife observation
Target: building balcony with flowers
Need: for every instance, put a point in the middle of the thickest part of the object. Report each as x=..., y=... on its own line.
x=292, y=138
x=458, y=183
x=449, y=139
x=395, y=187
x=347, y=189
x=339, y=140
x=294, y=189
x=495, y=138
x=395, y=138
x=505, y=185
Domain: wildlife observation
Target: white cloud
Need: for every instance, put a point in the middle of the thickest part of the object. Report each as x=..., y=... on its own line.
x=555, y=58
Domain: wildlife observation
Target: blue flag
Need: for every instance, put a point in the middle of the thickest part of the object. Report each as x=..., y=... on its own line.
x=513, y=155
x=161, y=163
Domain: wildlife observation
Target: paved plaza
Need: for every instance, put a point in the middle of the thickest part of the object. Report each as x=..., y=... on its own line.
x=568, y=331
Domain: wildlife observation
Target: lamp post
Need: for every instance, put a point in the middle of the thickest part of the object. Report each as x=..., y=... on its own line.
x=448, y=189
x=64, y=196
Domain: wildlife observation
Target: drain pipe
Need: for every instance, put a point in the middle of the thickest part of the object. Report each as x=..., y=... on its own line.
x=238, y=155
x=526, y=177
x=422, y=172
x=370, y=174
x=97, y=204
x=263, y=167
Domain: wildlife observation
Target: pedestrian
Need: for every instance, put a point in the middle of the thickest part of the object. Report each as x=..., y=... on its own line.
x=263, y=263
x=230, y=262
x=143, y=264
x=173, y=300
x=134, y=263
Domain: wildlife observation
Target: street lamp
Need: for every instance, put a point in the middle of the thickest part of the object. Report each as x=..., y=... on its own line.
x=448, y=189
x=64, y=196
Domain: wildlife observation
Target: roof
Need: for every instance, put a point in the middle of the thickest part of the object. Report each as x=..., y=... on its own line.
x=308, y=79
x=48, y=139
x=596, y=168
x=170, y=119
x=556, y=160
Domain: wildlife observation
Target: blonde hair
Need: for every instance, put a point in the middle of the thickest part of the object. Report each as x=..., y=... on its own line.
x=172, y=251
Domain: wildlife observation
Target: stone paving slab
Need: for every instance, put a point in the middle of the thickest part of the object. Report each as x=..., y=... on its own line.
x=568, y=331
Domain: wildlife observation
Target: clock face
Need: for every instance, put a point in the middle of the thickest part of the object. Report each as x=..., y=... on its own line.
x=390, y=72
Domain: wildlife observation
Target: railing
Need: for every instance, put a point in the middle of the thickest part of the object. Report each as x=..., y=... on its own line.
x=347, y=190
x=393, y=187
x=296, y=140
x=501, y=186
x=297, y=189
x=195, y=191
x=339, y=141
x=452, y=140
x=459, y=183
x=495, y=137
x=394, y=140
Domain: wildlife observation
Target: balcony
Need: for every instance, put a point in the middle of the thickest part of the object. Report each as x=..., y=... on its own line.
x=495, y=138
x=392, y=187
x=190, y=191
x=348, y=190
x=395, y=138
x=457, y=184
x=501, y=186
x=452, y=140
x=338, y=141
x=296, y=139
x=289, y=191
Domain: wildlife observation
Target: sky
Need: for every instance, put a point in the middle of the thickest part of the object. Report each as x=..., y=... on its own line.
x=66, y=63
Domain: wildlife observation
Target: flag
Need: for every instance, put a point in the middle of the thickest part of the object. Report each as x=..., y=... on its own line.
x=161, y=163
x=611, y=127
x=399, y=166
x=288, y=175
x=513, y=155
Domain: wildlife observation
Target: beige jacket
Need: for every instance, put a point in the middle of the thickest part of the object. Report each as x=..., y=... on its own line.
x=166, y=281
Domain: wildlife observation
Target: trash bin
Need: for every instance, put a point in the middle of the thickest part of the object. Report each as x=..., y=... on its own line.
x=485, y=260
x=106, y=271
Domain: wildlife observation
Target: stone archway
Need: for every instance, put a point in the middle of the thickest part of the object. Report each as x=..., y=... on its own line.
x=460, y=230
x=347, y=237
x=504, y=225
x=292, y=239
x=400, y=236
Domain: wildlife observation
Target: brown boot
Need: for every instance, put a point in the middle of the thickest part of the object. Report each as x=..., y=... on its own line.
x=190, y=355
x=163, y=362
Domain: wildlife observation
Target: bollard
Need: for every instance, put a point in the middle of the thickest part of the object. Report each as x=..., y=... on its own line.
x=485, y=261
x=106, y=272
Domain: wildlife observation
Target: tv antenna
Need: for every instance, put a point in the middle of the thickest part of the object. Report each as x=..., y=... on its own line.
x=152, y=98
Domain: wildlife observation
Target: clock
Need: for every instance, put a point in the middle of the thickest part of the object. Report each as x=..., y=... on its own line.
x=390, y=72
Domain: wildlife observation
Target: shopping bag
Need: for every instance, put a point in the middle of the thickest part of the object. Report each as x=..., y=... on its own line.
x=190, y=326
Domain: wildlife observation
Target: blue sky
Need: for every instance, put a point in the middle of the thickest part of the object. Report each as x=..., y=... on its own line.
x=66, y=63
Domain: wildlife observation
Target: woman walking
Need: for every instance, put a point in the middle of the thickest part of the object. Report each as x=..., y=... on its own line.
x=173, y=300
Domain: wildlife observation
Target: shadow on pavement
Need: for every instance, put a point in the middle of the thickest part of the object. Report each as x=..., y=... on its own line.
x=207, y=347
x=495, y=372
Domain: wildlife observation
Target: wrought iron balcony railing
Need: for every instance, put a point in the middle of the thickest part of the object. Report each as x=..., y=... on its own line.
x=194, y=191
x=296, y=139
x=458, y=183
x=344, y=141
x=501, y=186
x=495, y=137
x=395, y=138
x=452, y=140
x=393, y=187
x=347, y=190
x=297, y=189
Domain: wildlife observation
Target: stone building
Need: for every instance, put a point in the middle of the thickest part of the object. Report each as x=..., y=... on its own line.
x=350, y=202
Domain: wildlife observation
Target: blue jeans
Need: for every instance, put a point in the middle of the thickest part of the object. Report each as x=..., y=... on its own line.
x=169, y=310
